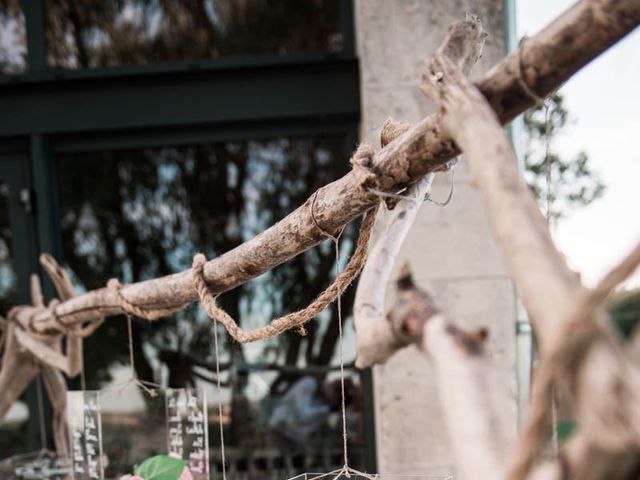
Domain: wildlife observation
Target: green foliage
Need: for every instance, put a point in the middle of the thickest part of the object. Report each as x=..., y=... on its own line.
x=625, y=311
x=160, y=467
x=573, y=182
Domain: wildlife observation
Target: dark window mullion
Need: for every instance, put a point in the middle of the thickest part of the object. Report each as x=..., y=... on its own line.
x=36, y=36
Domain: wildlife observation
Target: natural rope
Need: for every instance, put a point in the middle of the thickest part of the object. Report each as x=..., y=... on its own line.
x=525, y=87
x=294, y=319
x=131, y=308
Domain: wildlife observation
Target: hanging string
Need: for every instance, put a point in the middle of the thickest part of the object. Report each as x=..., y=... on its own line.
x=346, y=470
x=547, y=158
x=427, y=197
x=83, y=379
x=294, y=319
x=219, y=388
x=546, y=104
x=336, y=243
x=147, y=387
x=143, y=384
x=41, y=419
x=555, y=443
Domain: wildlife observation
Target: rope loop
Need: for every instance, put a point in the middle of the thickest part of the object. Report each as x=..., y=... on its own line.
x=131, y=308
x=294, y=319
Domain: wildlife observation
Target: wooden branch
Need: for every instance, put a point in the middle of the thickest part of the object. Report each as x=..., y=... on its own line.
x=376, y=338
x=43, y=352
x=474, y=402
x=600, y=378
x=18, y=370
x=548, y=59
x=57, y=393
x=64, y=287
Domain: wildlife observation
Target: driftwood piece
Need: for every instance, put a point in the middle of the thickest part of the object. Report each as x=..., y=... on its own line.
x=475, y=402
x=546, y=60
x=57, y=393
x=376, y=338
x=19, y=369
x=43, y=352
x=600, y=379
x=543, y=63
x=64, y=287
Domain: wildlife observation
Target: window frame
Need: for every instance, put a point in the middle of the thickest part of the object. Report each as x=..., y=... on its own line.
x=49, y=111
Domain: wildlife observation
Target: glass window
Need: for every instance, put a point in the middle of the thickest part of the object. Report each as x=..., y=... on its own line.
x=135, y=214
x=92, y=33
x=14, y=427
x=13, y=37
x=8, y=279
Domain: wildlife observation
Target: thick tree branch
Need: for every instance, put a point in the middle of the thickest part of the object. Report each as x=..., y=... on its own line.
x=599, y=377
x=548, y=59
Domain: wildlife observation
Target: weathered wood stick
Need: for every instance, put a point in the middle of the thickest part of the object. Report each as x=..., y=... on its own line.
x=18, y=370
x=604, y=387
x=57, y=393
x=376, y=337
x=475, y=403
x=64, y=287
x=543, y=63
x=376, y=340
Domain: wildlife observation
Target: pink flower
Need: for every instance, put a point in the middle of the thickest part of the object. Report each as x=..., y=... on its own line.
x=186, y=474
x=136, y=477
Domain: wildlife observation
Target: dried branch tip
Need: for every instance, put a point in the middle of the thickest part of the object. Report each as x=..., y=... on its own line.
x=362, y=163
x=405, y=280
x=462, y=46
x=391, y=130
x=464, y=42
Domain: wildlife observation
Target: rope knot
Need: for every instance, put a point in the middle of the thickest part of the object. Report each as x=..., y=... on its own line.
x=362, y=164
x=148, y=313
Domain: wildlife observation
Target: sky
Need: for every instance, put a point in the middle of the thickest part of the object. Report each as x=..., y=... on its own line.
x=604, y=100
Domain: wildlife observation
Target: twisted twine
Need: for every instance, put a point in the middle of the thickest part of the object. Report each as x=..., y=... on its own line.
x=148, y=313
x=294, y=319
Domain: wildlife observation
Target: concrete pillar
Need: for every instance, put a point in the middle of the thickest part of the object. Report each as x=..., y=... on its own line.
x=452, y=250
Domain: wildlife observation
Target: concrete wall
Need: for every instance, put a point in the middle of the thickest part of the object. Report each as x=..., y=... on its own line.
x=452, y=250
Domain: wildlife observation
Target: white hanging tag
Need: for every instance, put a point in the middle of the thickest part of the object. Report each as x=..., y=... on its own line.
x=85, y=426
x=187, y=435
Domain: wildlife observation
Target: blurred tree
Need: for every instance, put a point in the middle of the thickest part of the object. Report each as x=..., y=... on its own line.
x=573, y=182
x=152, y=209
x=13, y=38
x=625, y=311
x=137, y=214
x=98, y=33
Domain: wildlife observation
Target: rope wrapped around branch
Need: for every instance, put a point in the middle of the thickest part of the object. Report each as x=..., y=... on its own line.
x=294, y=319
x=136, y=310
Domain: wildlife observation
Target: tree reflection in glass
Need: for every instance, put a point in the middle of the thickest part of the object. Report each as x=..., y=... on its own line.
x=137, y=214
x=98, y=33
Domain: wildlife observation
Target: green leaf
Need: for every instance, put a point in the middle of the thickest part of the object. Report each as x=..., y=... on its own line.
x=160, y=467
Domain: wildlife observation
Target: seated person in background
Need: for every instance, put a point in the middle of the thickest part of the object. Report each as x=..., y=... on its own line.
x=304, y=408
